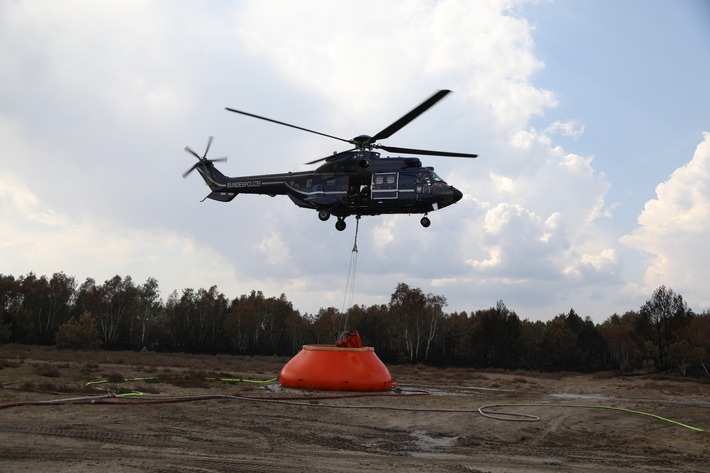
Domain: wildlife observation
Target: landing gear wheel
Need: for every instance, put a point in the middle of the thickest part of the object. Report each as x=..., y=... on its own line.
x=323, y=215
x=425, y=222
x=340, y=224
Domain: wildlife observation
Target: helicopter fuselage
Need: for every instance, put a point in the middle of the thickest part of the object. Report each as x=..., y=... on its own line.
x=354, y=182
x=361, y=183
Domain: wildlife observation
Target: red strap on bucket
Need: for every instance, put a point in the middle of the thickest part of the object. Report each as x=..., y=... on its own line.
x=349, y=340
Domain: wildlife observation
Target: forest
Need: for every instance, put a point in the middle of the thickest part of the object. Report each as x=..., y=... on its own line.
x=663, y=335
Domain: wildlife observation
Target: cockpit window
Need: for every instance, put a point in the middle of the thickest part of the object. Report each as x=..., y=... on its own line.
x=436, y=178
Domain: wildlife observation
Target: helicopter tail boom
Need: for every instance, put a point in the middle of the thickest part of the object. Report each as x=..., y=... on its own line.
x=221, y=196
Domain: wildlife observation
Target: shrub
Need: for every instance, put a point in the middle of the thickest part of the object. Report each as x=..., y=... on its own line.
x=79, y=334
x=5, y=332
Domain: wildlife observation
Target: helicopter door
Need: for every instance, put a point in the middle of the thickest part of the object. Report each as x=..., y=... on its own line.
x=384, y=185
x=358, y=189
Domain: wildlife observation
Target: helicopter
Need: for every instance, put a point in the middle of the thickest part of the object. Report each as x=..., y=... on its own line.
x=358, y=181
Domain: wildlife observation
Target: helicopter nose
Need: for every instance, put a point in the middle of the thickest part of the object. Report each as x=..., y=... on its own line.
x=450, y=196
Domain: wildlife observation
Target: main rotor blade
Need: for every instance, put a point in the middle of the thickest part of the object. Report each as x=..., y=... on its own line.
x=286, y=124
x=402, y=122
x=449, y=154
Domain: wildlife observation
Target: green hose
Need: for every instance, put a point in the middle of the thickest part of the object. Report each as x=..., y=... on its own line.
x=579, y=406
x=156, y=378
x=494, y=415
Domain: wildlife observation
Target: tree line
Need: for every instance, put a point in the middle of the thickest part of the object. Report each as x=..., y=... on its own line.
x=662, y=335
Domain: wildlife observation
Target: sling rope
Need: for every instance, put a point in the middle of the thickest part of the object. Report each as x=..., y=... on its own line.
x=350, y=284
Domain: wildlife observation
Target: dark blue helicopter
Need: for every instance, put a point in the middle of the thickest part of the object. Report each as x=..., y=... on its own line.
x=354, y=182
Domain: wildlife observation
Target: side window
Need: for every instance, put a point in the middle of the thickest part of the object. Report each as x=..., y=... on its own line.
x=384, y=181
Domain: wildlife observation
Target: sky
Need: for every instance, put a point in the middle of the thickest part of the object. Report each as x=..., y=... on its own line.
x=590, y=118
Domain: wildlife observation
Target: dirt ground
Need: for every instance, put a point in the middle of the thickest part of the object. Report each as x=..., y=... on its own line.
x=433, y=425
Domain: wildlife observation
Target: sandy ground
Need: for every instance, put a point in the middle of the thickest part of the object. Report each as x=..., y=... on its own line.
x=293, y=430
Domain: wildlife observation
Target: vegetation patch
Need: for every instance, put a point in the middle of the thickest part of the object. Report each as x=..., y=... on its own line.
x=664, y=335
x=9, y=363
x=48, y=371
x=114, y=377
x=190, y=379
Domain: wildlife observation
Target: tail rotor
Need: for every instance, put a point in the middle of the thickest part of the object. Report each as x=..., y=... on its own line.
x=201, y=160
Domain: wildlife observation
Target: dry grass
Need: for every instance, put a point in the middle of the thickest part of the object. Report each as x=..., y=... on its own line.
x=13, y=354
x=47, y=369
x=40, y=368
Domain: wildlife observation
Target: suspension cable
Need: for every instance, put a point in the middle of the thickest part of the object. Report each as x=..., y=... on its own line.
x=350, y=284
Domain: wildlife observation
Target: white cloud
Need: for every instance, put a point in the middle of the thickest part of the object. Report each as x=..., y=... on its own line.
x=674, y=229
x=274, y=250
x=363, y=64
x=383, y=235
x=14, y=194
x=537, y=233
x=570, y=128
x=525, y=218
x=117, y=55
x=605, y=262
x=36, y=238
x=521, y=245
x=99, y=100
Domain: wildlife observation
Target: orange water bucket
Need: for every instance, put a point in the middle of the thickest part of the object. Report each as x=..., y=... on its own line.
x=330, y=367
